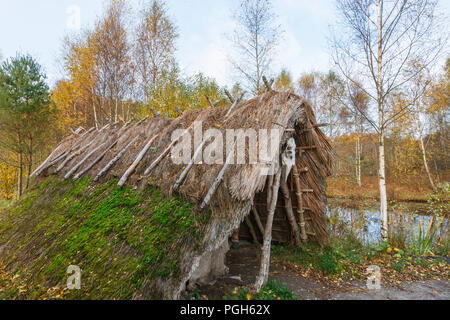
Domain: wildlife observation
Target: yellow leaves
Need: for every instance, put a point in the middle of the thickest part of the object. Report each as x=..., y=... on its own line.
x=389, y=250
x=8, y=176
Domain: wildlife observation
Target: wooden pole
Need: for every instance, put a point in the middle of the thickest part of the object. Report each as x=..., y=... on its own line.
x=140, y=121
x=300, y=209
x=43, y=164
x=75, y=168
x=233, y=106
x=219, y=177
x=128, y=123
x=269, y=190
x=258, y=221
x=73, y=155
x=263, y=275
x=115, y=159
x=138, y=159
x=252, y=230
x=165, y=152
x=230, y=97
x=289, y=212
x=266, y=83
x=212, y=104
x=47, y=163
x=186, y=170
x=100, y=157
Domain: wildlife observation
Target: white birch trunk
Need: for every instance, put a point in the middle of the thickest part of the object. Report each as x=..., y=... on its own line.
x=382, y=170
x=263, y=275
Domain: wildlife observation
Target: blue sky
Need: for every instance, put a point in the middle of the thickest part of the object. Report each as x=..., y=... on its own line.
x=38, y=27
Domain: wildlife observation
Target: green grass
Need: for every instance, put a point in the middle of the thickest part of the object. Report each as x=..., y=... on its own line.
x=328, y=259
x=121, y=239
x=4, y=204
x=273, y=290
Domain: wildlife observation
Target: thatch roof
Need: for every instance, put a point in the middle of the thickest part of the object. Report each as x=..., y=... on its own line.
x=233, y=199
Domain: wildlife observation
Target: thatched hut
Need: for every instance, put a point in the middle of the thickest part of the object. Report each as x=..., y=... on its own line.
x=243, y=195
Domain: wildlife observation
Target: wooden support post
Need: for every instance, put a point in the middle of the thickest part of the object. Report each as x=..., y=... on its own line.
x=269, y=190
x=290, y=213
x=160, y=157
x=186, y=170
x=300, y=209
x=138, y=159
x=233, y=106
x=75, y=168
x=100, y=157
x=167, y=150
x=252, y=230
x=105, y=127
x=258, y=221
x=128, y=123
x=115, y=159
x=43, y=164
x=266, y=83
x=230, y=97
x=73, y=155
x=155, y=112
x=212, y=104
x=47, y=163
x=219, y=177
x=140, y=121
x=263, y=275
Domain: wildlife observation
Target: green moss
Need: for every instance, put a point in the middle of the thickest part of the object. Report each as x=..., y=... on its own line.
x=273, y=290
x=117, y=236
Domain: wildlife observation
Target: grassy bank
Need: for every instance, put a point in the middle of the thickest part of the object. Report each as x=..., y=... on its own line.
x=345, y=260
x=121, y=239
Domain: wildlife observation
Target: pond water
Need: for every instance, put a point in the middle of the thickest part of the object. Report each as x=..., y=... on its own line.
x=365, y=223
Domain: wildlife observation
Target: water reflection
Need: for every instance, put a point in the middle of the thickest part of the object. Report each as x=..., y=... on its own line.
x=365, y=224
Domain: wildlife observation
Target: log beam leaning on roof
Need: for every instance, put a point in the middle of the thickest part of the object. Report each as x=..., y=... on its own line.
x=73, y=155
x=100, y=157
x=115, y=159
x=186, y=170
x=138, y=159
x=166, y=151
x=79, y=164
x=47, y=163
x=219, y=177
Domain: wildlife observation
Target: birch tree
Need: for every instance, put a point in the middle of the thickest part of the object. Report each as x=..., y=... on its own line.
x=376, y=39
x=113, y=49
x=255, y=39
x=155, y=45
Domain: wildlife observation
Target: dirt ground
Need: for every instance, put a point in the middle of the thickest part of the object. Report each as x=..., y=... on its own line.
x=243, y=264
